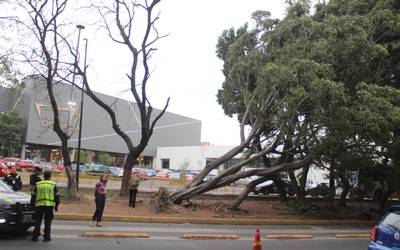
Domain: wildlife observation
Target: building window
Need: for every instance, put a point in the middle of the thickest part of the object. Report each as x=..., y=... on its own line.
x=165, y=163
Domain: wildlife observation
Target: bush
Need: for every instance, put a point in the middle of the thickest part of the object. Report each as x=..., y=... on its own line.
x=104, y=159
x=299, y=206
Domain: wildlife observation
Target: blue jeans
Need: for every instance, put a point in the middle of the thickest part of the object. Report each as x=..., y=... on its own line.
x=100, y=203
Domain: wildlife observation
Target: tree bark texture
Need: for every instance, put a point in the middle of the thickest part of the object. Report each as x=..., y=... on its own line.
x=246, y=191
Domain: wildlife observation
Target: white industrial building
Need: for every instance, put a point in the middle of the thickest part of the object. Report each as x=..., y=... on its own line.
x=190, y=157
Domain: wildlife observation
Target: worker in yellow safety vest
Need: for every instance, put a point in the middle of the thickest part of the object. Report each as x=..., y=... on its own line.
x=45, y=198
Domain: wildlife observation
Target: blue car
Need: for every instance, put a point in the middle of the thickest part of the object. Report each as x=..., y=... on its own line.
x=386, y=235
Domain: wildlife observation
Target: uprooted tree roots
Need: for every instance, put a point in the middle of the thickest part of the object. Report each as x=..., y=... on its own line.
x=161, y=202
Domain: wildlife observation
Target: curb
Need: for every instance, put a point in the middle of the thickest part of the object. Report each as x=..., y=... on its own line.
x=115, y=235
x=213, y=221
x=289, y=236
x=352, y=235
x=210, y=237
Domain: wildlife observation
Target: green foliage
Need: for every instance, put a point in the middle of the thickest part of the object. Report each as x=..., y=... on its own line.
x=299, y=206
x=9, y=77
x=11, y=133
x=82, y=156
x=333, y=77
x=104, y=158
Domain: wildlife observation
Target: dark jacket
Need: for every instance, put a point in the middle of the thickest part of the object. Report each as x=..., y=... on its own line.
x=14, y=181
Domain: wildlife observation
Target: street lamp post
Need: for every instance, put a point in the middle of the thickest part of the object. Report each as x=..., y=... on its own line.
x=80, y=121
x=80, y=28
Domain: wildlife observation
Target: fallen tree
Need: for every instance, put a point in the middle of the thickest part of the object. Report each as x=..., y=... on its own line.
x=307, y=89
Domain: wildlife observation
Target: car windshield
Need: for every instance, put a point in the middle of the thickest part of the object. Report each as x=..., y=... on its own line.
x=392, y=220
x=4, y=187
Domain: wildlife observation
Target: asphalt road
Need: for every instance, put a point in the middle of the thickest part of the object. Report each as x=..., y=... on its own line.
x=67, y=235
x=103, y=244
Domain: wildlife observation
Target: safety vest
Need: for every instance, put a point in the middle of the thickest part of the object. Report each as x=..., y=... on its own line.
x=45, y=194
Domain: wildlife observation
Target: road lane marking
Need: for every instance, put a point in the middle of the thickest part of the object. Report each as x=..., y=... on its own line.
x=289, y=236
x=98, y=234
x=353, y=235
x=210, y=236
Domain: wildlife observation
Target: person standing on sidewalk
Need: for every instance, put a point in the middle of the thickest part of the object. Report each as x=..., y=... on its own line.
x=100, y=191
x=133, y=188
x=13, y=180
x=45, y=198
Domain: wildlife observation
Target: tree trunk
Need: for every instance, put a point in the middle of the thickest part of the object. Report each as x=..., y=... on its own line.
x=281, y=188
x=72, y=188
x=303, y=182
x=246, y=191
x=383, y=199
x=128, y=165
x=345, y=192
x=228, y=179
x=332, y=188
x=294, y=183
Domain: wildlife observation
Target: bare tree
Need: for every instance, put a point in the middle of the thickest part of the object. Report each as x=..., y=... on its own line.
x=49, y=62
x=57, y=60
x=119, y=20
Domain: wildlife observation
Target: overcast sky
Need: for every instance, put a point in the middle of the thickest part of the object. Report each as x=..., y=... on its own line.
x=185, y=67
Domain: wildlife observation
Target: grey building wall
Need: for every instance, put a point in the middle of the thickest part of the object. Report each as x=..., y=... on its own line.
x=97, y=133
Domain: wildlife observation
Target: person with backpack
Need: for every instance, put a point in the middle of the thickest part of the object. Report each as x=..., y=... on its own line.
x=133, y=188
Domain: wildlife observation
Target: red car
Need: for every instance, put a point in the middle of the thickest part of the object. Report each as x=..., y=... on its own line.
x=163, y=174
x=25, y=165
x=10, y=161
x=58, y=168
x=140, y=173
x=3, y=169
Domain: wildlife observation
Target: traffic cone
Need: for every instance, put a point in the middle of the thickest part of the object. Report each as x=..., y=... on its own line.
x=257, y=241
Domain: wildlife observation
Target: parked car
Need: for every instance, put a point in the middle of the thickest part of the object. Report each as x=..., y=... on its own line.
x=264, y=188
x=117, y=172
x=269, y=187
x=98, y=170
x=150, y=172
x=163, y=173
x=191, y=174
x=321, y=190
x=3, y=169
x=58, y=168
x=82, y=167
x=140, y=173
x=25, y=165
x=386, y=235
x=211, y=175
x=249, y=179
x=16, y=211
x=175, y=175
x=10, y=161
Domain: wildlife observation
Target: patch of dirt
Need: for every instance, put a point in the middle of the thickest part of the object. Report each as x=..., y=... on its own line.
x=200, y=208
x=197, y=208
